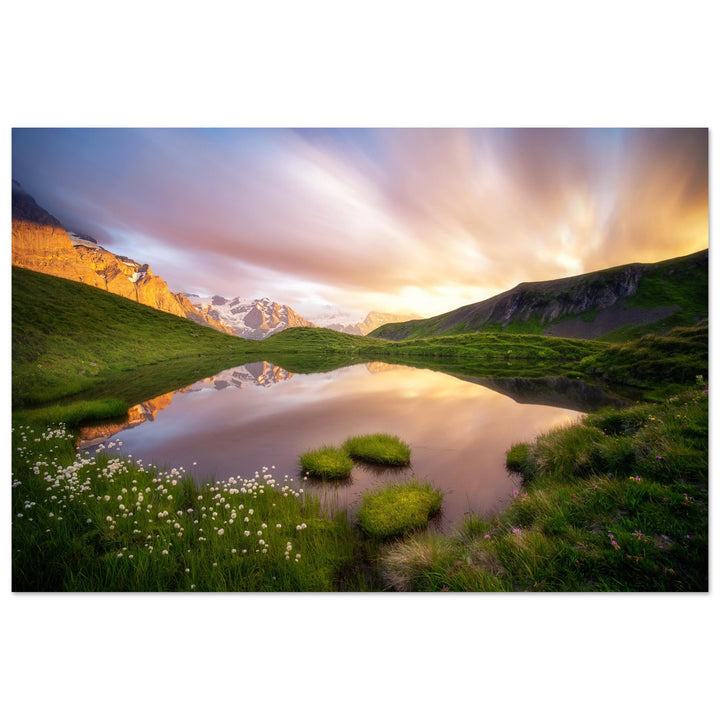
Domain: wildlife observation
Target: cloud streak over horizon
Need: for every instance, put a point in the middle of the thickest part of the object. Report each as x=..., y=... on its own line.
x=420, y=220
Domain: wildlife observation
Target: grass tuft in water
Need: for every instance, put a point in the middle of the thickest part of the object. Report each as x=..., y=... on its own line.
x=398, y=509
x=326, y=463
x=378, y=449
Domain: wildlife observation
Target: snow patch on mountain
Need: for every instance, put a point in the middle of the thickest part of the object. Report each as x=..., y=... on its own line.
x=84, y=240
x=254, y=319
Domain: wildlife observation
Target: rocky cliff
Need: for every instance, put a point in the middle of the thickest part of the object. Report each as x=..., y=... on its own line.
x=41, y=243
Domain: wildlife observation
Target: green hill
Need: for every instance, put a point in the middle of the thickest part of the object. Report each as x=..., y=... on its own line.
x=69, y=338
x=615, y=304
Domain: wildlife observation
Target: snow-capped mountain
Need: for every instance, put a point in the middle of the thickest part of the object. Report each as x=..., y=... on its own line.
x=253, y=319
x=335, y=318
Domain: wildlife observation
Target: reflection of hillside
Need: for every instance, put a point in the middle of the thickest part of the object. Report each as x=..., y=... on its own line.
x=560, y=392
x=136, y=414
x=260, y=373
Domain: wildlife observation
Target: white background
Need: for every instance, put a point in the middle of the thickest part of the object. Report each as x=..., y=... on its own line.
x=355, y=64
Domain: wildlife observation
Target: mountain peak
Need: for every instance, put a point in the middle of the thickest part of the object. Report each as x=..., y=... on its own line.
x=253, y=319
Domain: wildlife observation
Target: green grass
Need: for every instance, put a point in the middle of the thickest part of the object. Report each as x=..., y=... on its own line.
x=652, y=360
x=73, y=414
x=398, y=509
x=616, y=502
x=378, y=449
x=326, y=463
x=69, y=338
x=97, y=522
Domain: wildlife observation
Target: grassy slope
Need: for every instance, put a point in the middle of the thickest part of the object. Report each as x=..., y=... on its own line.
x=672, y=283
x=68, y=337
x=89, y=523
x=679, y=283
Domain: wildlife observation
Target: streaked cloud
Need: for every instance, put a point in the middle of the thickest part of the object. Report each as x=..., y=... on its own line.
x=420, y=219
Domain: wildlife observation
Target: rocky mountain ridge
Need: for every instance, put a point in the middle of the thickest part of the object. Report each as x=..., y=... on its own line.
x=584, y=306
x=41, y=243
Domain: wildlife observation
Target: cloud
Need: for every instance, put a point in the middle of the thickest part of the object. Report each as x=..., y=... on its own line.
x=435, y=217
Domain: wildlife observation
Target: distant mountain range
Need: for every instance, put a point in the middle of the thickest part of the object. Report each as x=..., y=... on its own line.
x=613, y=304
x=372, y=320
x=253, y=319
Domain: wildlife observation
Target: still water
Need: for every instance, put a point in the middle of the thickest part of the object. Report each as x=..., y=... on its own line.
x=259, y=415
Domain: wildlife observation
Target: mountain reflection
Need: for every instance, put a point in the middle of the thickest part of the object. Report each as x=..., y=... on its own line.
x=260, y=373
x=263, y=374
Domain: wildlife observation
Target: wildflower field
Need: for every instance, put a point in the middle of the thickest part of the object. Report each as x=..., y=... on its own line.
x=99, y=522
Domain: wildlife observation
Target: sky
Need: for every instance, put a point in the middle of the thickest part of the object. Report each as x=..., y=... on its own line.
x=416, y=220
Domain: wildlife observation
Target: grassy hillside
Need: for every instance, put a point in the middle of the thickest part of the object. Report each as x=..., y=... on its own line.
x=68, y=338
x=72, y=342
x=494, y=355
x=615, y=304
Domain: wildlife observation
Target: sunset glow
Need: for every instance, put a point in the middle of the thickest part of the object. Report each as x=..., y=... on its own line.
x=396, y=220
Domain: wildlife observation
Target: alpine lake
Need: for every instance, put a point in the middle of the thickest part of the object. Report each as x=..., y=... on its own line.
x=259, y=418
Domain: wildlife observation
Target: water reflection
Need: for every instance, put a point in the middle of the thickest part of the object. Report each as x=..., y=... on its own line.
x=559, y=392
x=458, y=430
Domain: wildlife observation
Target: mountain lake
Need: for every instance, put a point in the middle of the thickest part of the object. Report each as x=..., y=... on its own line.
x=261, y=418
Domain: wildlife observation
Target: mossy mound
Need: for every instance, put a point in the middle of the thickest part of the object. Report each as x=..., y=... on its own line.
x=326, y=463
x=397, y=509
x=378, y=449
